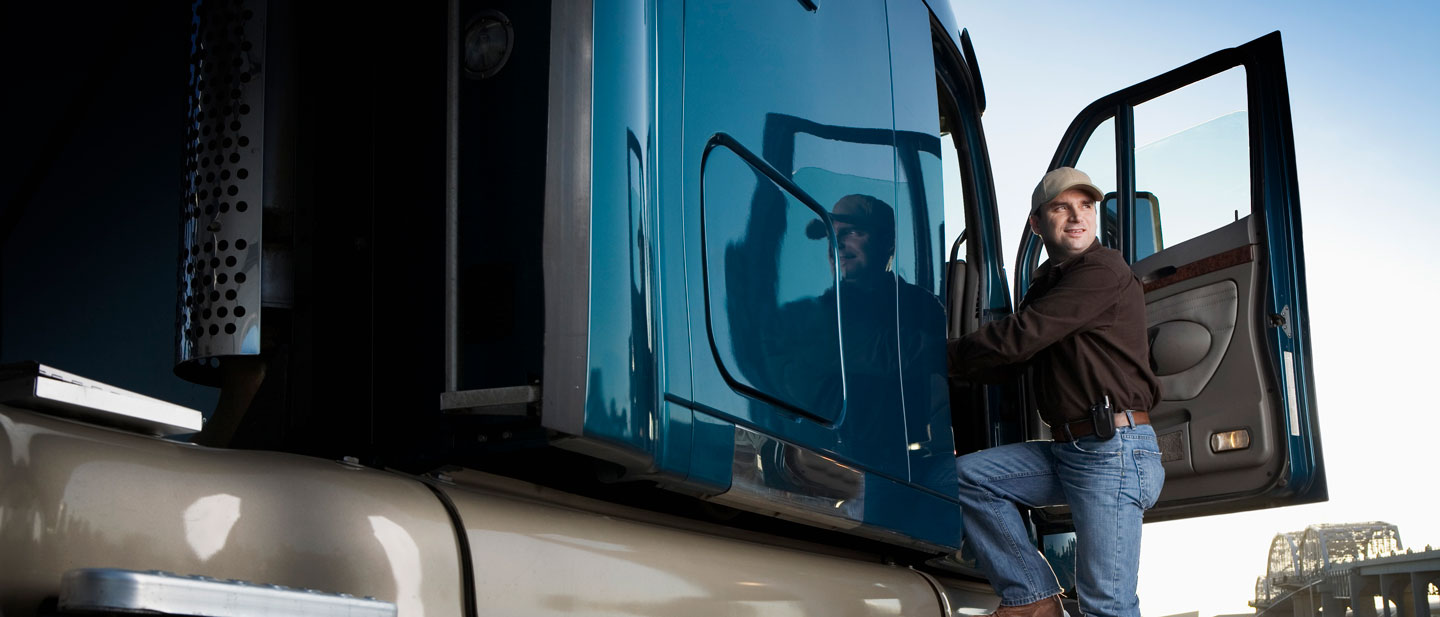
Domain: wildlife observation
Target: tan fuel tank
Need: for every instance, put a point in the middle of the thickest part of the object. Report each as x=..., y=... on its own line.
x=538, y=555
x=74, y=495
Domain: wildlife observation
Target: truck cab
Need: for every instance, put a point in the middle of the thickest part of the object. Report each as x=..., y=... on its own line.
x=648, y=295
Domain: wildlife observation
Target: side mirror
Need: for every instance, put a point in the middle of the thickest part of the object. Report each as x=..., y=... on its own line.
x=1148, y=239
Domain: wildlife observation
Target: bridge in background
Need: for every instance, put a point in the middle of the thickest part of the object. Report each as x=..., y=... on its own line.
x=1326, y=569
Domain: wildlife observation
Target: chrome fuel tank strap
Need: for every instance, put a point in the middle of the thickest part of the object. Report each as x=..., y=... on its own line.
x=132, y=591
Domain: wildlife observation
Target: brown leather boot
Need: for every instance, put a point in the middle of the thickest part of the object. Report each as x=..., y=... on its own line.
x=1049, y=607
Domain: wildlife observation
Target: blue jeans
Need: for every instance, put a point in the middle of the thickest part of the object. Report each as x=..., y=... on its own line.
x=1108, y=485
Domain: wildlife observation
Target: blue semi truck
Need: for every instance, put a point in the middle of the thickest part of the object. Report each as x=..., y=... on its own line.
x=555, y=308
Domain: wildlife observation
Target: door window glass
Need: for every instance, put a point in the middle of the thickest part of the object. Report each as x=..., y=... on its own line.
x=1192, y=158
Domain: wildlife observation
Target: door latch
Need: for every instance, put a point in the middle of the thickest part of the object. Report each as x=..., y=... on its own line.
x=1282, y=320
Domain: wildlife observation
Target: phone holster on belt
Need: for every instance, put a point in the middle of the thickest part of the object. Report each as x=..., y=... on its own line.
x=1102, y=414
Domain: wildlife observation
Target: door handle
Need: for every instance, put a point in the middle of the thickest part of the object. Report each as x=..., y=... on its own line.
x=1157, y=274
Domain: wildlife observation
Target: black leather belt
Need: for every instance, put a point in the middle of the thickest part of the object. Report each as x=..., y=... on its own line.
x=1070, y=431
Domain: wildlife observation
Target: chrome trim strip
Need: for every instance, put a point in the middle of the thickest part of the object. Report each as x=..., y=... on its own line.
x=111, y=589
x=43, y=388
x=1292, y=400
x=939, y=592
x=769, y=475
x=962, y=597
x=775, y=477
x=566, y=234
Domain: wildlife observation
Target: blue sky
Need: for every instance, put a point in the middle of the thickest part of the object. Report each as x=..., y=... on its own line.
x=1364, y=82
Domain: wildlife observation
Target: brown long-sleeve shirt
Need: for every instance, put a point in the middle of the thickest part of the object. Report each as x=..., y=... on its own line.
x=1082, y=328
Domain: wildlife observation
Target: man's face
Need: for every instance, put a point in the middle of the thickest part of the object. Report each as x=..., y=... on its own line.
x=854, y=249
x=1066, y=224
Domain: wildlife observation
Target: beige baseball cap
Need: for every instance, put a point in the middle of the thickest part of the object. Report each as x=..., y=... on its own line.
x=1058, y=181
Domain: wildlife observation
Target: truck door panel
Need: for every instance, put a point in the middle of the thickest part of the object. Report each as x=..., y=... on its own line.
x=771, y=78
x=786, y=112
x=712, y=261
x=1205, y=208
x=1203, y=352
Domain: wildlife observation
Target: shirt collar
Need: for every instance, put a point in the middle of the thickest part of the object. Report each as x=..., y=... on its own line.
x=1046, y=267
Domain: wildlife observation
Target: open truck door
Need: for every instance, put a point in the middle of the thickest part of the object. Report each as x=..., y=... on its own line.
x=1199, y=167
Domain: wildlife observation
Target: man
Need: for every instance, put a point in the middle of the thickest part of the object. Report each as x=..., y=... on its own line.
x=1081, y=329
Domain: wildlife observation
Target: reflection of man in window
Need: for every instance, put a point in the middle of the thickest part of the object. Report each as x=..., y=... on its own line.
x=874, y=339
x=864, y=239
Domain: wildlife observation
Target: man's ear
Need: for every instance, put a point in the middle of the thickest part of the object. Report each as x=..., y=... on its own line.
x=1035, y=225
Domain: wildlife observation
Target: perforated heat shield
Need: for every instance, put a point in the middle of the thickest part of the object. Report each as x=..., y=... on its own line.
x=220, y=223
